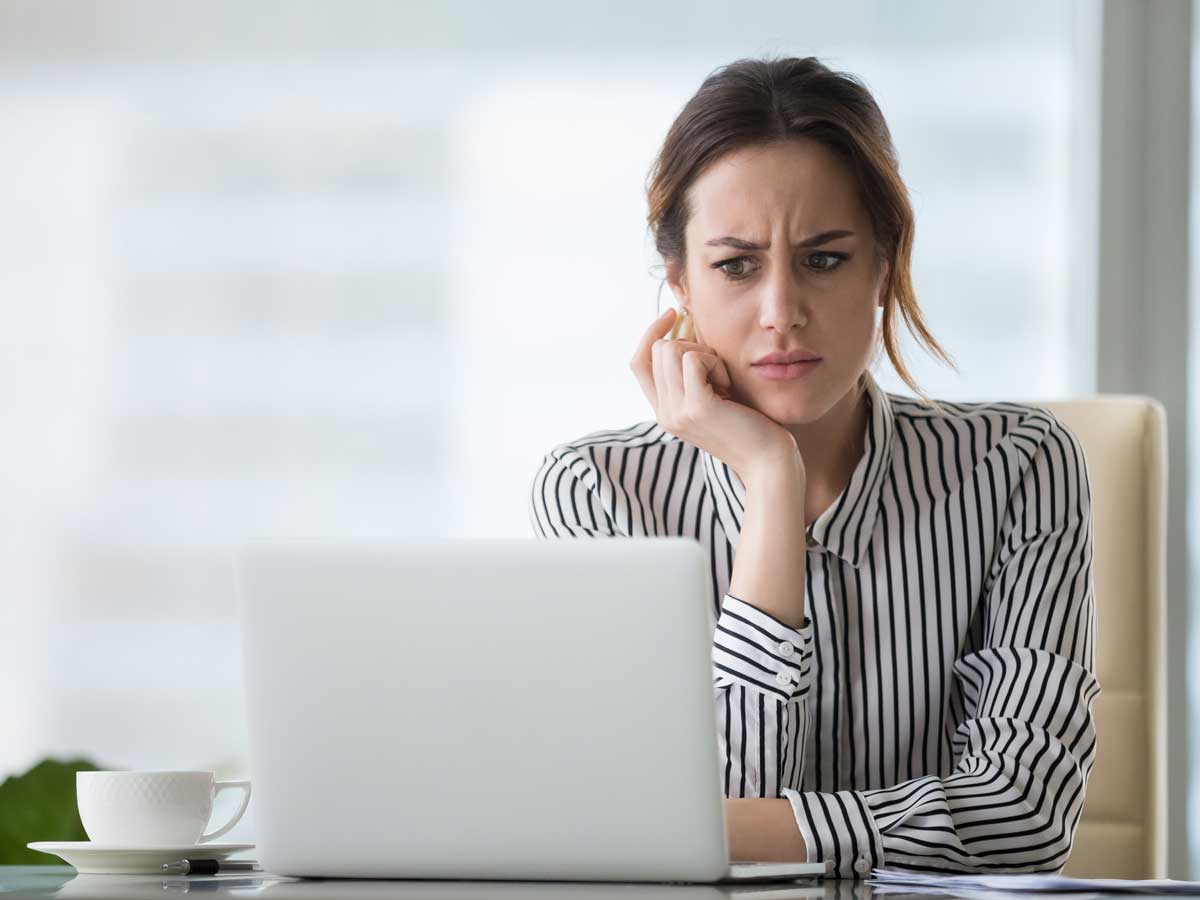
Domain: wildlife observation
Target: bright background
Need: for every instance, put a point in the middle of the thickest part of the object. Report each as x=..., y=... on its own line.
x=352, y=268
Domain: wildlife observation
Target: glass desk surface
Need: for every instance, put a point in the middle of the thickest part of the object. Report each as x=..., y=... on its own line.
x=64, y=882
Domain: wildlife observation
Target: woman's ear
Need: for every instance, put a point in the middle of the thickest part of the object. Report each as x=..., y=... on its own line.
x=885, y=268
x=685, y=326
x=690, y=333
x=677, y=281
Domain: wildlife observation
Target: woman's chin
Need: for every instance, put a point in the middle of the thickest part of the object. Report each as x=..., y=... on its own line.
x=798, y=410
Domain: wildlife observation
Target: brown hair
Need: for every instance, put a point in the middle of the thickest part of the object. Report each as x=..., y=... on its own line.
x=762, y=101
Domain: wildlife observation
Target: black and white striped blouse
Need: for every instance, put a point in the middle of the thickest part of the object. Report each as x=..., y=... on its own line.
x=934, y=710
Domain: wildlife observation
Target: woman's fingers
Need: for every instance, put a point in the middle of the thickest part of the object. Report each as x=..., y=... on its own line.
x=718, y=372
x=662, y=374
x=697, y=368
x=689, y=386
x=670, y=370
x=664, y=407
x=642, y=363
x=720, y=377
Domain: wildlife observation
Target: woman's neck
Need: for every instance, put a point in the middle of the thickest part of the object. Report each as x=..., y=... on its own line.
x=831, y=448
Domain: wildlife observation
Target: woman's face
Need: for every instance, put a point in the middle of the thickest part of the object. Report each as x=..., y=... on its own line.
x=800, y=287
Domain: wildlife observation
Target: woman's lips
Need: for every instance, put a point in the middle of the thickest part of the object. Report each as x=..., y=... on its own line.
x=786, y=372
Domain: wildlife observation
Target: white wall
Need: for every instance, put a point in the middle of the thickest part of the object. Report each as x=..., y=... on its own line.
x=352, y=268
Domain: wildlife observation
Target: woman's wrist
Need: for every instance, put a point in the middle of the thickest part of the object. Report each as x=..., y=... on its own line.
x=777, y=468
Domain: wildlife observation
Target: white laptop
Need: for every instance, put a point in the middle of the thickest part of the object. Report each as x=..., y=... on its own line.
x=442, y=708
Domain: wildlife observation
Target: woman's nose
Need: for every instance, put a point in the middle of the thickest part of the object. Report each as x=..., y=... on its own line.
x=782, y=305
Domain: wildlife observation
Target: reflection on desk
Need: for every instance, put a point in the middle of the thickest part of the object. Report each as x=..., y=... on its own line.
x=63, y=882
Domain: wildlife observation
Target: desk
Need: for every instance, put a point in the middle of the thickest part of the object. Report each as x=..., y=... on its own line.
x=63, y=882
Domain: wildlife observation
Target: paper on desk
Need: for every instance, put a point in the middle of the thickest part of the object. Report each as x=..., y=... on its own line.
x=1008, y=886
x=988, y=893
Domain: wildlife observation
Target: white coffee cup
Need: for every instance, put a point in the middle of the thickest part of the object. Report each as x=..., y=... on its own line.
x=152, y=807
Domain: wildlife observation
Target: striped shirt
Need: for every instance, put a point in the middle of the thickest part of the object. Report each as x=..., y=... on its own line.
x=934, y=709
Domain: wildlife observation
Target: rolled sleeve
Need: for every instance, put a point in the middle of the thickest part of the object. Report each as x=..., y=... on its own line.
x=1026, y=741
x=838, y=828
x=753, y=649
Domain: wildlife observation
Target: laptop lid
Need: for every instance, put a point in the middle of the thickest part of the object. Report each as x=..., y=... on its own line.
x=482, y=708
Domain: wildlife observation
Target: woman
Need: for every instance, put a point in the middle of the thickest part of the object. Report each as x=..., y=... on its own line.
x=903, y=660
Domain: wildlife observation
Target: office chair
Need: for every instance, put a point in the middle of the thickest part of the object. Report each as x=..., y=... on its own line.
x=1123, y=830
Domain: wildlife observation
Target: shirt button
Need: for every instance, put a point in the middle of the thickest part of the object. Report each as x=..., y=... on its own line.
x=810, y=540
x=862, y=865
x=783, y=678
x=786, y=648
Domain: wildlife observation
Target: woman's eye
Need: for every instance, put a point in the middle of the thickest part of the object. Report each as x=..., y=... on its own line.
x=735, y=269
x=737, y=273
x=833, y=260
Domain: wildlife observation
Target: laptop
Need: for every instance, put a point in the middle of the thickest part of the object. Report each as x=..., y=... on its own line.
x=485, y=709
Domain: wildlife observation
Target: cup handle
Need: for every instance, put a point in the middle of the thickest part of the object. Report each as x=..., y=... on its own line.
x=237, y=816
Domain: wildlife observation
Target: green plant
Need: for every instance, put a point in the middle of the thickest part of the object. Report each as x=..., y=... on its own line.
x=40, y=806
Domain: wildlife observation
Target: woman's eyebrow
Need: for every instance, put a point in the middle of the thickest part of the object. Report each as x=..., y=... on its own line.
x=739, y=244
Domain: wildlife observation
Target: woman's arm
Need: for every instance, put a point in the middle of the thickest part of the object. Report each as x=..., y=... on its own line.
x=770, y=566
x=763, y=830
x=771, y=574
x=763, y=652
x=1026, y=745
x=759, y=688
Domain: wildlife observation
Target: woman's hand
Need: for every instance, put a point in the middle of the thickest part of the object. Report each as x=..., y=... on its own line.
x=763, y=830
x=688, y=387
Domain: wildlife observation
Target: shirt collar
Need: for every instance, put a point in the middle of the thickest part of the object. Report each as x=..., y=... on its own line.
x=846, y=526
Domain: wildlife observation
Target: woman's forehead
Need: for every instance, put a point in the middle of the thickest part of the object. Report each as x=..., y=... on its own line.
x=757, y=189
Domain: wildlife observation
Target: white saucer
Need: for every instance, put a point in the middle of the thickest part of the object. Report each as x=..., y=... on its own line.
x=117, y=859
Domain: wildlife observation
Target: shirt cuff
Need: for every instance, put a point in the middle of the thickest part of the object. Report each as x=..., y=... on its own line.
x=754, y=649
x=838, y=827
